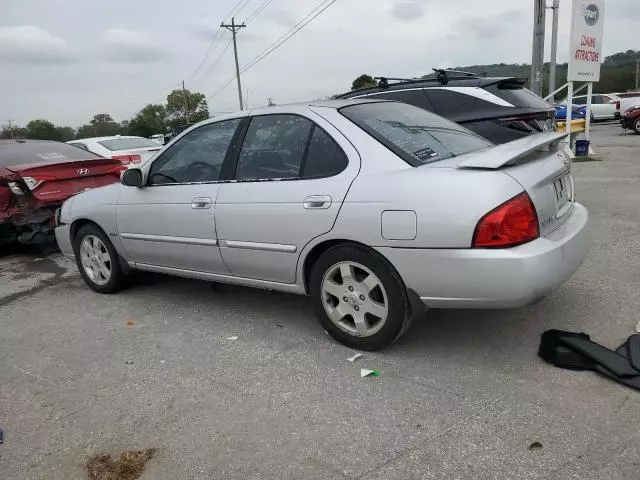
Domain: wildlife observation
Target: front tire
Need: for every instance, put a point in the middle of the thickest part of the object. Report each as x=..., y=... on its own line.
x=98, y=260
x=359, y=297
x=636, y=126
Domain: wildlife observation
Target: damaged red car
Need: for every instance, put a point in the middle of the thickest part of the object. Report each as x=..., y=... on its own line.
x=36, y=176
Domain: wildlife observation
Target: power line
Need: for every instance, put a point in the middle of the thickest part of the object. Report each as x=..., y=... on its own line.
x=215, y=41
x=286, y=37
x=235, y=13
x=258, y=10
x=319, y=9
x=210, y=48
x=213, y=64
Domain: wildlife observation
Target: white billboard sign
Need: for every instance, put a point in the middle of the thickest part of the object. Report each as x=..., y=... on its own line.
x=585, y=57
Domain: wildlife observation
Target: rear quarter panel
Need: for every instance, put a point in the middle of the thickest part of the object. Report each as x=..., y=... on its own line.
x=448, y=203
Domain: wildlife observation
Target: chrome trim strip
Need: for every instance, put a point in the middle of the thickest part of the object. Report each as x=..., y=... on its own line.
x=265, y=247
x=247, y=282
x=167, y=239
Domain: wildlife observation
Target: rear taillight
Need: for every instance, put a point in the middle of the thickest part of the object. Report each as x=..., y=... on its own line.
x=617, y=104
x=127, y=159
x=513, y=223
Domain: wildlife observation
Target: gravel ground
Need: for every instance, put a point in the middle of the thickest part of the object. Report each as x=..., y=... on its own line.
x=462, y=395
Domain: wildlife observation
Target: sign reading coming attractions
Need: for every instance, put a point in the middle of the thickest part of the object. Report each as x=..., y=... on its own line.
x=585, y=57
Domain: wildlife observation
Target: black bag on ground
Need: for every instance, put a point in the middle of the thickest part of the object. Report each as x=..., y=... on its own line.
x=576, y=351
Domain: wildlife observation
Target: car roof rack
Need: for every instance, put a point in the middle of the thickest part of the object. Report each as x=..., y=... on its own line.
x=442, y=75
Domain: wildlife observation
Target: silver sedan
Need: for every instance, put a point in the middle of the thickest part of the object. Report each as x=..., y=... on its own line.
x=365, y=206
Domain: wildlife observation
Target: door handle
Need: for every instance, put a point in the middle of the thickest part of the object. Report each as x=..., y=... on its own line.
x=201, y=203
x=317, y=202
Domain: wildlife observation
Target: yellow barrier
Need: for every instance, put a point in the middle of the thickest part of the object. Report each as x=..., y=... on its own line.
x=577, y=126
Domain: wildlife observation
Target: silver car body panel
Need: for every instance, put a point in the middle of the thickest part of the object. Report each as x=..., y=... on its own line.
x=260, y=233
x=152, y=220
x=265, y=224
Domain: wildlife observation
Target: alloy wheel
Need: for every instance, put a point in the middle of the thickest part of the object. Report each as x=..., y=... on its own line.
x=354, y=299
x=95, y=260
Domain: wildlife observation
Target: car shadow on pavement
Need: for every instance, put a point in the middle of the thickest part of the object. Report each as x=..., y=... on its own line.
x=471, y=333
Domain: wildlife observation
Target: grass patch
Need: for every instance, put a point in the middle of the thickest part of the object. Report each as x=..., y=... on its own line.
x=129, y=466
x=587, y=158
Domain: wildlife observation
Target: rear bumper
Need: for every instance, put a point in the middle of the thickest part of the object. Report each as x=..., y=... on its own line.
x=495, y=278
x=63, y=238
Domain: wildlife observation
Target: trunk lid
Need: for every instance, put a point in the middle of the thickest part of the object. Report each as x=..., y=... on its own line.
x=60, y=180
x=541, y=166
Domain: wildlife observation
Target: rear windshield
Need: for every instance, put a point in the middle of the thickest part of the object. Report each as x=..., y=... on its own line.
x=127, y=143
x=415, y=135
x=25, y=152
x=629, y=95
x=517, y=95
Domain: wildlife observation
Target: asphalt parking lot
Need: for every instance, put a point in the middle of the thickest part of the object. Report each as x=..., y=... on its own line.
x=462, y=395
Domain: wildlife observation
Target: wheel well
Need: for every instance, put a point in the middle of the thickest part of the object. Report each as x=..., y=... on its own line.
x=77, y=225
x=315, y=253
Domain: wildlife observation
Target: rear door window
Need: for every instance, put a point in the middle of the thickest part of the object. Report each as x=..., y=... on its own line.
x=415, y=135
x=324, y=157
x=273, y=147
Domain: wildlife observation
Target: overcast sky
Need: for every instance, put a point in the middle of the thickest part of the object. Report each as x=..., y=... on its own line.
x=66, y=60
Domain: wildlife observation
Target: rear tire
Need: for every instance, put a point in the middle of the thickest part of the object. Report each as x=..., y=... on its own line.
x=359, y=298
x=98, y=260
x=636, y=126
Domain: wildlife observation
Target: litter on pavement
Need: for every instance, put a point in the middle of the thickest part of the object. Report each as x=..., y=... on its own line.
x=638, y=327
x=234, y=337
x=355, y=357
x=365, y=372
x=129, y=323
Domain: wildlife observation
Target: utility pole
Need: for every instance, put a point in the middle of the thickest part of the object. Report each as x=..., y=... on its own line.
x=537, y=58
x=233, y=28
x=554, y=49
x=186, y=104
x=637, y=71
x=11, y=126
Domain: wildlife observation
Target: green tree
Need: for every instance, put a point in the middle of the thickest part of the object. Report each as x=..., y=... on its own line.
x=65, y=133
x=85, y=131
x=185, y=107
x=103, y=125
x=150, y=120
x=363, y=81
x=42, y=130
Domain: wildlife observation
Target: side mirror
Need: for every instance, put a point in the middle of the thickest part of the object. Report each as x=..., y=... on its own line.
x=132, y=177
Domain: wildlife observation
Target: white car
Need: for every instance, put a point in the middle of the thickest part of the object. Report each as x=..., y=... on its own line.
x=627, y=100
x=127, y=149
x=603, y=107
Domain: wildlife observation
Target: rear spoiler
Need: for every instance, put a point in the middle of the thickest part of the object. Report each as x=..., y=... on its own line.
x=501, y=155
